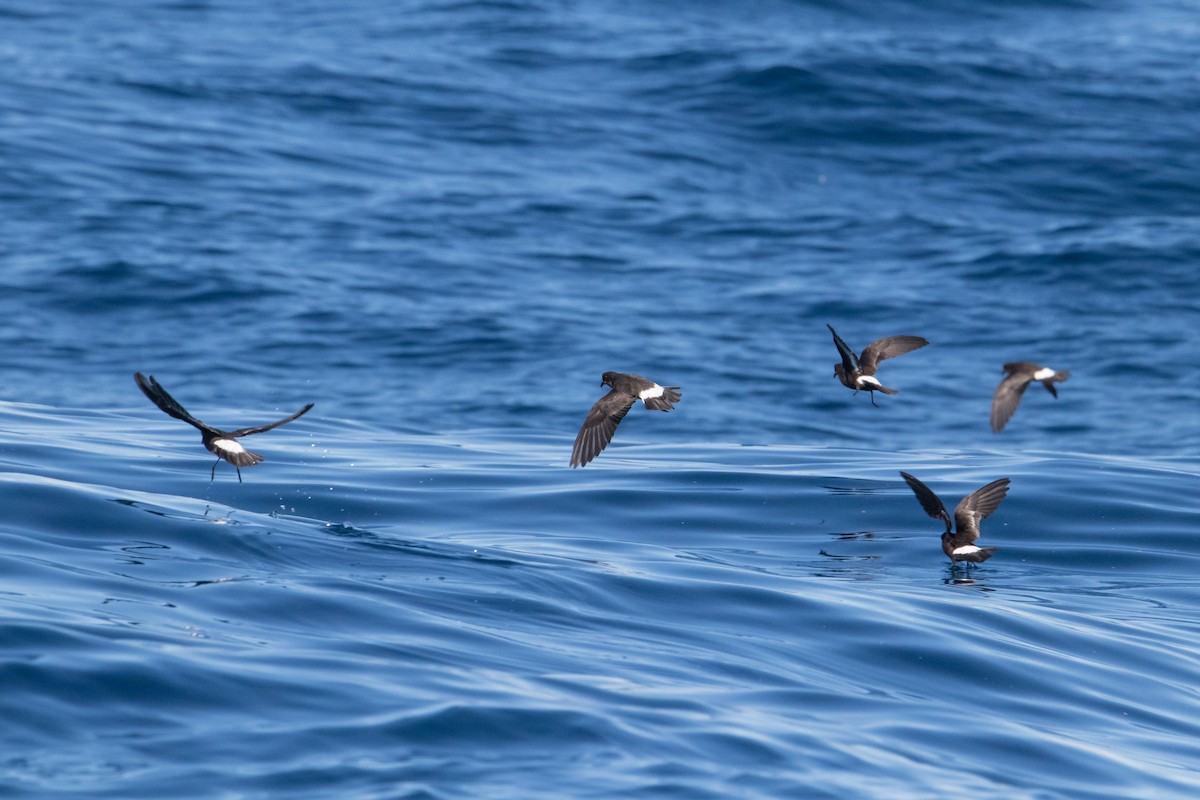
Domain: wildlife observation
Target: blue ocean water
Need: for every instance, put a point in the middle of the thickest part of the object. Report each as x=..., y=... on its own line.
x=441, y=222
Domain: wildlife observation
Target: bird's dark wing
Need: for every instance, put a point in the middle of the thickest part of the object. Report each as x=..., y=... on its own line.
x=1008, y=397
x=929, y=501
x=269, y=426
x=849, y=359
x=600, y=425
x=976, y=507
x=888, y=347
x=169, y=405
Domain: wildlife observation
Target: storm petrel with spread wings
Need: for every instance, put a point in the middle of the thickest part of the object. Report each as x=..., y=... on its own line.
x=967, y=515
x=1019, y=375
x=607, y=413
x=222, y=444
x=858, y=372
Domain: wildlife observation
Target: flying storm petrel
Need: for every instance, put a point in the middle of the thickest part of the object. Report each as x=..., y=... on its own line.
x=1008, y=394
x=609, y=410
x=967, y=515
x=858, y=372
x=222, y=444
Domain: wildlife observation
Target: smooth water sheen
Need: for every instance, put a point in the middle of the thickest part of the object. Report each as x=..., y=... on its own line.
x=441, y=222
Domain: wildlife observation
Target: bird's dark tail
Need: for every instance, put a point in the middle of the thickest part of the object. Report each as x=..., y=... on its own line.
x=666, y=401
x=1057, y=377
x=243, y=459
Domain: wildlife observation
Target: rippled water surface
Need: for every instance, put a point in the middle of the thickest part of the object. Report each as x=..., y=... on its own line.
x=441, y=222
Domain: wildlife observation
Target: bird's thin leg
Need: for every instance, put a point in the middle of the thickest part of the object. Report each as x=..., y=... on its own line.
x=239, y=472
x=213, y=475
x=873, y=400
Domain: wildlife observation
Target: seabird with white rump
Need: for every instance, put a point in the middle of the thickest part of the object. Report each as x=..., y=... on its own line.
x=1019, y=374
x=601, y=422
x=222, y=444
x=858, y=372
x=970, y=511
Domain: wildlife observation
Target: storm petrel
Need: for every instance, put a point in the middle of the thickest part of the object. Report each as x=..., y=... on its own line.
x=1019, y=375
x=967, y=515
x=858, y=372
x=222, y=444
x=607, y=413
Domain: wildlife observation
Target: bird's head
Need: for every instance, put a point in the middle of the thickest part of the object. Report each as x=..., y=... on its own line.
x=607, y=378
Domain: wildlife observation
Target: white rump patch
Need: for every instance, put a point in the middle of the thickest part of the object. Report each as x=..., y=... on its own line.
x=228, y=445
x=1043, y=373
x=653, y=391
x=871, y=379
x=966, y=549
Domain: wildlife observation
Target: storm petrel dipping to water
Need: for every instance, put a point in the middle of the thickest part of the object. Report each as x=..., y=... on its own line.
x=1008, y=394
x=858, y=372
x=967, y=515
x=222, y=444
x=607, y=413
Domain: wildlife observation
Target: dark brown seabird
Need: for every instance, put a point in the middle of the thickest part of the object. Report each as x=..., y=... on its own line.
x=601, y=422
x=970, y=511
x=222, y=444
x=1019, y=375
x=858, y=372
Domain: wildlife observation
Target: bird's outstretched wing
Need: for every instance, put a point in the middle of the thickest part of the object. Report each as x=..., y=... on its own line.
x=1008, y=397
x=169, y=405
x=269, y=426
x=976, y=507
x=929, y=500
x=849, y=359
x=600, y=425
x=888, y=347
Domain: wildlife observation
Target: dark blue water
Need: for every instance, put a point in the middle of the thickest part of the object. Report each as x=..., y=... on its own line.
x=441, y=222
